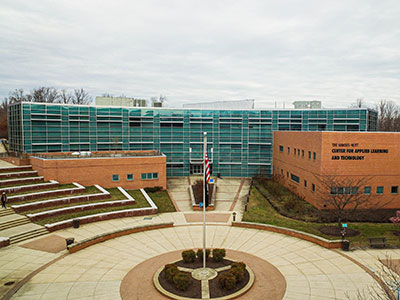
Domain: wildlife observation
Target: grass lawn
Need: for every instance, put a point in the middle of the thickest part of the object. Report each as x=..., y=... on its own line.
x=259, y=210
x=22, y=184
x=44, y=189
x=162, y=200
x=115, y=195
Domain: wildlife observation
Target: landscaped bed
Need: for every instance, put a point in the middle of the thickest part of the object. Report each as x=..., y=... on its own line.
x=259, y=210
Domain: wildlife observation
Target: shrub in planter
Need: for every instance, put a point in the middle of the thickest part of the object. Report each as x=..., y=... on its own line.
x=218, y=255
x=200, y=253
x=240, y=265
x=188, y=256
x=182, y=281
x=238, y=273
x=170, y=271
x=227, y=280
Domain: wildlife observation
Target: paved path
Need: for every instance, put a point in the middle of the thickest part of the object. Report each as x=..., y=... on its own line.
x=311, y=272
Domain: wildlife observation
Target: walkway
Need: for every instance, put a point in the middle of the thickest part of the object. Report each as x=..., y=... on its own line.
x=311, y=272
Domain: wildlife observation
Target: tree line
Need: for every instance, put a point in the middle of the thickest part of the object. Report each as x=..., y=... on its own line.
x=41, y=94
x=388, y=114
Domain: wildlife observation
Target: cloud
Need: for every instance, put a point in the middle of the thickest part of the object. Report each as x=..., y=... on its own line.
x=271, y=51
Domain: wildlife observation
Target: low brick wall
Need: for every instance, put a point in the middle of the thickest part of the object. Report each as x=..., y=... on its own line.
x=4, y=242
x=60, y=201
x=330, y=244
x=25, y=188
x=16, y=169
x=114, y=234
x=17, y=161
x=23, y=180
x=17, y=174
x=103, y=217
x=39, y=195
x=76, y=209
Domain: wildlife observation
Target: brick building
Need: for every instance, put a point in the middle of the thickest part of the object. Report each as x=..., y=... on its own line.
x=303, y=159
x=128, y=169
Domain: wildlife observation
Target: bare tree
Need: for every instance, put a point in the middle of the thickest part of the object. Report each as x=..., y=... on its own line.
x=45, y=95
x=360, y=103
x=65, y=96
x=388, y=282
x=342, y=194
x=389, y=116
x=18, y=95
x=80, y=96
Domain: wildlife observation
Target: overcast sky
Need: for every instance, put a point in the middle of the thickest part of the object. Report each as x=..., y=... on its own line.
x=197, y=51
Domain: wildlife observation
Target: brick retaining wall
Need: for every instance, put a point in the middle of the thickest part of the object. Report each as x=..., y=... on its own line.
x=112, y=235
x=330, y=244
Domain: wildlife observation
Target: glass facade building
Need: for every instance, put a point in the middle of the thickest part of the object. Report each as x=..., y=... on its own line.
x=239, y=141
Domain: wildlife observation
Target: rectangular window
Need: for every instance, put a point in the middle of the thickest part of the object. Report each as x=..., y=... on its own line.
x=294, y=151
x=298, y=152
x=282, y=172
x=395, y=189
x=287, y=174
x=115, y=178
x=313, y=187
x=305, y=183
x=315, y=155
x=379, y=190
x=294, y=178
x=309, y=154
x=288, y=150
x=302, y=153
x=280, y=148
x=148, y=176
x=129, y=177
x=367, y=190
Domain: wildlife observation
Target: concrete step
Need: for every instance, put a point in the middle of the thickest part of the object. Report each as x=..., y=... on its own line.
x=14, y=223
x=17, y=174
x=28, y=235
x=6, y=212
x=15, y=169
x=30, y=187
x=21, y=180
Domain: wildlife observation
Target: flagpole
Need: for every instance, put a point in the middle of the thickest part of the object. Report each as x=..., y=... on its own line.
x=204, y=199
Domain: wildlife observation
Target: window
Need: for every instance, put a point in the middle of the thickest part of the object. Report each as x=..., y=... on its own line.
x=367, y=190
x=129, y=177
x=379, y=190
x=309, y=154
x=282, y=172
x=298, y=152
x=395, y=189
x=287, y=174
x=315, y=156
x=313, y=187
x=294, y=151
x=280, y=148
x=347, y=190
x=295, y=178
x=115, y=178
x=288, y=150
x=147, y=176
x=305, y=183
x=302, y=153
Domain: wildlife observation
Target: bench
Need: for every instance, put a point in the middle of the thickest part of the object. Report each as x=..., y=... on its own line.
x=377, y=242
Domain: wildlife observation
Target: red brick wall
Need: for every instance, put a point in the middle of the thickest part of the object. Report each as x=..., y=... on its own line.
x=90, y=171
x=381, y=169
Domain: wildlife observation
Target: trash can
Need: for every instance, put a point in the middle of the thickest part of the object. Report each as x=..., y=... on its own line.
x=75, y=222
x=345, y=245
x=69, y=241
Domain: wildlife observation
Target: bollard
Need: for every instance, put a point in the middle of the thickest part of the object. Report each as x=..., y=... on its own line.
x=234, y=216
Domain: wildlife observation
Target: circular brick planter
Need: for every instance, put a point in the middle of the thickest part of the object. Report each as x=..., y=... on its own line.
x=138, y=282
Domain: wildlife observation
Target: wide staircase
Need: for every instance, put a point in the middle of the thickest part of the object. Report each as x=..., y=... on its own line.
x=33, y=203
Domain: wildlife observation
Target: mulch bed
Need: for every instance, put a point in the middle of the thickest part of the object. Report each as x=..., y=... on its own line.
x=337, y=231
x=216, y=291
x=199, y=264
x=194, y=290
x=198, y=189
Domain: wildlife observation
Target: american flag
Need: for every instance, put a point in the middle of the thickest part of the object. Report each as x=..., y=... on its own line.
x=207, y=173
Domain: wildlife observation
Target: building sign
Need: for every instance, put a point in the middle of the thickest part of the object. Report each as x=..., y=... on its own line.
x=352, y=151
